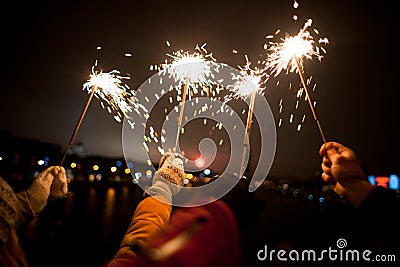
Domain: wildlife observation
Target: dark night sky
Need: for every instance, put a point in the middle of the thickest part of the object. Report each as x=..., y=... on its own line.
x=48, y=50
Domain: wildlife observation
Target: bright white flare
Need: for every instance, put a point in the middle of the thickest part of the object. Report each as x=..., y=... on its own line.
x=282, y=55
x=247, y=82
x=109, y=87
x=196, y=68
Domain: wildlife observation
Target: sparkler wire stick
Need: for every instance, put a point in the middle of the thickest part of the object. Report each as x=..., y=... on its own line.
x=309, y=99
x=246, y=139
x=185, y=89
x=251, y=110
x=78, y=125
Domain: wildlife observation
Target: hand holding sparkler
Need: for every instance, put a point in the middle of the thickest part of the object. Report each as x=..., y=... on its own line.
x=51, y=184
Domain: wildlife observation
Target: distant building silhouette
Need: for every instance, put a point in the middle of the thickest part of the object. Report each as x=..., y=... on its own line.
x=22, y=157
x=78, y=150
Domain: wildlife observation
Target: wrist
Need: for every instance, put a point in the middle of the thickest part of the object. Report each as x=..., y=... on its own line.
x=358, y=193
x=162, y=187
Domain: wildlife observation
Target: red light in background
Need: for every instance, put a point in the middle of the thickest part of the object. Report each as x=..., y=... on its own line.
x=382, y=181
x=199, y=162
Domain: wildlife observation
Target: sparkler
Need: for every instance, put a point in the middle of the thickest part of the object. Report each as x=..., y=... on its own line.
x=109, y=87
x=248, y=83
x=193, y=71
x=289, y=55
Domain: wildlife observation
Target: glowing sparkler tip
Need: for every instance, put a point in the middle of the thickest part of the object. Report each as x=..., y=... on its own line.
x=195, y=69
x=249, y=81
x=110, y=87
x=284, y=54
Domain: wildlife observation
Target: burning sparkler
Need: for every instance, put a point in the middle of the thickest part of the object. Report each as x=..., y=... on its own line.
x=247, y=83
x=194, y=71
x=290, y=54
x=109, y=87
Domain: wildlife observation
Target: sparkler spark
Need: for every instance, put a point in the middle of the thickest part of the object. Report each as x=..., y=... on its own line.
x=249, y=81
x=197, y=67
x=302, y=46
x=109, y=87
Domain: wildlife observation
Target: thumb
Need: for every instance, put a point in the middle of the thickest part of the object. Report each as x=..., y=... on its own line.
x=330, y=150
x=46, y=177
x=59, y=187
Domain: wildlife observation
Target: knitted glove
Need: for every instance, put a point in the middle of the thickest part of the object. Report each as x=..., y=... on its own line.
x=59, y=187
x=39, y=191
x=8, y=211
x=168, y=180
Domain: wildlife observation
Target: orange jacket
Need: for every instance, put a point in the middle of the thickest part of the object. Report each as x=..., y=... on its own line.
x=196, y=236
x=150, y=217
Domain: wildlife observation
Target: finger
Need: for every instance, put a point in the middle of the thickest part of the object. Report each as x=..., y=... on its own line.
x=326, y=168
x=61, y=176
x=331, y=151
x=54, y=170
x=62, y=169
x=59, y=186
x=327, y=162
x=177, y=162
x=51, y=169
x=162, y=159
x=322, y=149
x=328, y=179
x=48, y=174
x=327, y=146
